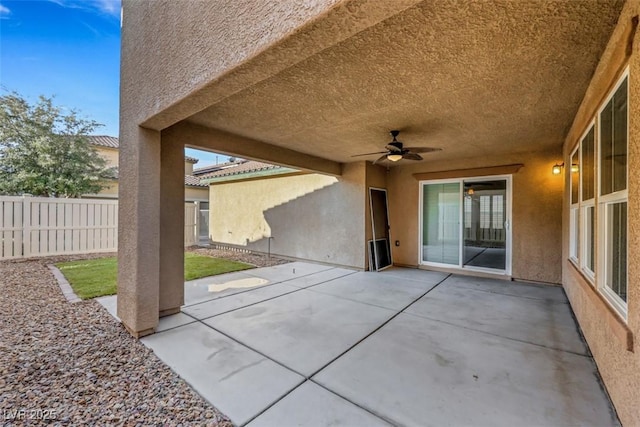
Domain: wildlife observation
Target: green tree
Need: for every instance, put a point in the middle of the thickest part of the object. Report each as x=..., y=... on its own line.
x=45, y=151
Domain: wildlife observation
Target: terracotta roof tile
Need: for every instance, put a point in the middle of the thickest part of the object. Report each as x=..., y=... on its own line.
x=104, y=141
x=193, y=181
x=242, y=168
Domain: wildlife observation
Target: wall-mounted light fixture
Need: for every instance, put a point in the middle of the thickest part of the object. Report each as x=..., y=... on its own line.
x=557, y=168
x=575, y=168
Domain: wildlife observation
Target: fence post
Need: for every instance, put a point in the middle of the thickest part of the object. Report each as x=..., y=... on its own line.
x=26, y=227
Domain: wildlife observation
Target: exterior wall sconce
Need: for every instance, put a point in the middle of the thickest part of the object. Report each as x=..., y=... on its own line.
x=557, y=168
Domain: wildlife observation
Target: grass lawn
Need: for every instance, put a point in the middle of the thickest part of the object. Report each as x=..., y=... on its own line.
x=98, y=277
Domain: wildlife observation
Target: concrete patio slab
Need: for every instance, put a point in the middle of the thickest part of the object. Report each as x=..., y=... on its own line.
x=237, y=380
x=173, y=321
x=303, y=330
x=320, y=277
x=228, y=303
x=415, y=274
x=506, y=287
x=376, y=289
x=470, y=352
x=417, y=372
x=311, y=405
x=212, y=287
x=542, y=322
x=110, y=303
x=292, y=270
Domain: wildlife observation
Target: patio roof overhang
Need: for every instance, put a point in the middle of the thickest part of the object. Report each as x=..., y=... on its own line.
x=472, y=78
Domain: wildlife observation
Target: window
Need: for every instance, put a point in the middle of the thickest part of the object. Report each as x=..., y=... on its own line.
x=497, y=214
x=574, y=223
x=587, y=203
x=613, y=195
x=598, y=199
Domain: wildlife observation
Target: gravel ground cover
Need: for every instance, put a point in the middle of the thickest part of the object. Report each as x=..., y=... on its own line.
x=257, y=260
x=74, y=364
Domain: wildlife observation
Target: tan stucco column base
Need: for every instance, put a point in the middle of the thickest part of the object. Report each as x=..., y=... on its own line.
x=139, y=334
x=169, y=312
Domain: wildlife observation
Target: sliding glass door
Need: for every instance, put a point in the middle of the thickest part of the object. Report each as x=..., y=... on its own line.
x=441, y=224
x=465, y=223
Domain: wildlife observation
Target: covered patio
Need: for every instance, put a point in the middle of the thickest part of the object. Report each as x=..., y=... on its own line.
x=310, y=344
x=506, y=92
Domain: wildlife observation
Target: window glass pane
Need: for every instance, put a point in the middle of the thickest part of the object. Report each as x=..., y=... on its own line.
x=606, y=147
x=574, y=228
x=467, y=211
x=589, y=241
x=485, y=211
x=441, y=223
x=613, y=142
x=620, y=138
x=575, y=175
x=616, y=249
x=498, y=212
x=587, y=166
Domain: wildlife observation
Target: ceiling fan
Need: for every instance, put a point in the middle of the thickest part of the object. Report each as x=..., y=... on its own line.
x=396, y=151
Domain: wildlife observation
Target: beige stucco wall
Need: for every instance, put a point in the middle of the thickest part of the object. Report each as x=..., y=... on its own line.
x=313, y=217
x=609, y=337
x=537, y=204
x=109, y=154
x=196, y=194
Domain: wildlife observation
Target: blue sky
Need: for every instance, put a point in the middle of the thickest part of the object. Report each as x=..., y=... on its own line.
x=69, y=49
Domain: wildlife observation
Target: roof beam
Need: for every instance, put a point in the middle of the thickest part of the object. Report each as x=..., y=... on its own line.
x=201, y=137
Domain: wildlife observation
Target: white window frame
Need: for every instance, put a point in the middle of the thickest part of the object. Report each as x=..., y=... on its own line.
x=507, y=221
x=603, y=202
x=584, y=205
x=574, y=211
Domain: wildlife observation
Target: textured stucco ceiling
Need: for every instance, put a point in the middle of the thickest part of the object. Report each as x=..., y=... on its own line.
x=470, y=77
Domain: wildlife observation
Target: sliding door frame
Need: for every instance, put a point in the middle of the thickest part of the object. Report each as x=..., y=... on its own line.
x=508, y=224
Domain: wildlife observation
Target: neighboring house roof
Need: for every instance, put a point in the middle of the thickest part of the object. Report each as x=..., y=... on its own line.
x=113, y=142
x=104, y=141
x=245, y=169
x=212, y=168
x=193, y=181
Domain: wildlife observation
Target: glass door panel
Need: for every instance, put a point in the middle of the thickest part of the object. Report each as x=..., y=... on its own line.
x=441, y=223
x=485, y=224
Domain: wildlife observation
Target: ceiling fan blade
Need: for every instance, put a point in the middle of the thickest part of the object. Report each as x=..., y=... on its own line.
x=370, y=154
x=383, y=158
x=422, y=149
x=393, y=148
x=412, y=156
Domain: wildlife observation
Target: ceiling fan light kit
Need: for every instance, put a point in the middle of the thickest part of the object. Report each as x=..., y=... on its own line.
x=396, y=151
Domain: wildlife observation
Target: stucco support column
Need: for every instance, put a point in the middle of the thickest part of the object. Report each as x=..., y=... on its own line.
x=138, y=230
x=171, y=226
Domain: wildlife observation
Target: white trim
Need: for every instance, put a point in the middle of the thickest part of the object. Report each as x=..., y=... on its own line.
x=603, y=202
x=508, y=223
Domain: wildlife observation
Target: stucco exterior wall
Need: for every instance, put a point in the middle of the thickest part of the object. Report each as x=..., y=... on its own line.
x=109, y=154
x=612, y=341
x=312, y=217
x=537, y=205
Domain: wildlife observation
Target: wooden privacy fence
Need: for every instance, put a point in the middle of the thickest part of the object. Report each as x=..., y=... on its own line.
x=38, y=226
